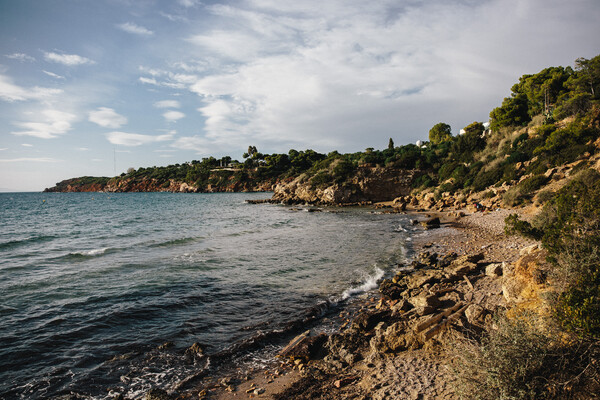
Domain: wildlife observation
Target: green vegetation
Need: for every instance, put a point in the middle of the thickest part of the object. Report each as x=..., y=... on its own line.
x=521, y=359
x=440, y=132
x=550, y=119
x=569, y=228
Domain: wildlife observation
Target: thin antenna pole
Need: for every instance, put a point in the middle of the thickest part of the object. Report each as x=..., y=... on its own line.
x=115, y=160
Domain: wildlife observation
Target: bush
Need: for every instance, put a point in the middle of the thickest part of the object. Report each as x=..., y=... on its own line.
x=521, y=360
x=569, y=227
x=321, y=179
x=484, y=179
x=544, y=197
x=423, y=181
x=513, y=225
x=530, y=185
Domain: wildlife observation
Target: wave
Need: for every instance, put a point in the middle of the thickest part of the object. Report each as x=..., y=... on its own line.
x=30, y=240
x=86, y=254
x=177, y=242
x=369, y=284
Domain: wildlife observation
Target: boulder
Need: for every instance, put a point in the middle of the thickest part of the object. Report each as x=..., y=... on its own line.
x=196, y=349
x=494, y=270
x=419, y=278
x=475, y=314
x=459, y=270
x=368, y=320
x=431, y=223
x=425, y=300
x=401, y=306
x=429, y=260
x=390, y=290
x=391, y=338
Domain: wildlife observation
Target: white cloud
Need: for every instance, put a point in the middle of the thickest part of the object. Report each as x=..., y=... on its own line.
x=167, y=78
x=195, y=143
x=69, y=60
x=30, y=159
x=83, y=149
x=20, y=57
x=26, y=145
x=135, y=139
x=130, y=27
x=167, y=104
x=53, y=123
x=188, y=3
x=4, y=148
x=53, y=75
x=107, y=118
x=11, y=92
x=322, y=74
x=173, y=116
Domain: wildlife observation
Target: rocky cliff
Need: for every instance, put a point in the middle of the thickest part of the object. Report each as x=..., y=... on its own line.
x=146, y=184
x=368, y=184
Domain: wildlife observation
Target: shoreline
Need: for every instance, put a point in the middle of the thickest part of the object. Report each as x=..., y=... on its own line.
x=418, y=372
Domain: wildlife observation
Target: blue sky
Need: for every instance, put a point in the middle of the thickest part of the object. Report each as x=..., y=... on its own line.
x=157, y=82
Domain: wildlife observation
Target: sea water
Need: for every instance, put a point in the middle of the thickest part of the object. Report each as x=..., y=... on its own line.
x=92, y=284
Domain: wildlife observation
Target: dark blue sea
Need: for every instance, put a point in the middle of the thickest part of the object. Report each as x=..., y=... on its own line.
x=92, y=284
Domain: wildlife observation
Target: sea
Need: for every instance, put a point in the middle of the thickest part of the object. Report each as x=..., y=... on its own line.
x=102, y=293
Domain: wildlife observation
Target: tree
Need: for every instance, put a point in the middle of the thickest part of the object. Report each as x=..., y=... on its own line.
x=251, y=151
x=440, y=132
x=513, y=112
x=391, y=144
x=587, y=78
x=475, y=128
x=470, y=142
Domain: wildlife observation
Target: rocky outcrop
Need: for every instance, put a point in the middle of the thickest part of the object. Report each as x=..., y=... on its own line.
x=147, y=184
x=368, y=184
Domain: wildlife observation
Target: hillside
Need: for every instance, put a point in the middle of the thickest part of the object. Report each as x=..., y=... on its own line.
x=545, y=130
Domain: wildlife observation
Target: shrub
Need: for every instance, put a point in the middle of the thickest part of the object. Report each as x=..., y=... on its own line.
x=321, y=179
x=484, y=179
x=521, y=360
x=423, y=181
x=513, y=225
x=569, y=227
x=512, y=197
x=543, y=197
x=529, y=185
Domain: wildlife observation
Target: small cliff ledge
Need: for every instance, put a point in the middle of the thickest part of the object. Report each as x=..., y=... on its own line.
x=368, y=184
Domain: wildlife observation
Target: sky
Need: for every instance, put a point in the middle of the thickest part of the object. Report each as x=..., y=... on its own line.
x=96, y=87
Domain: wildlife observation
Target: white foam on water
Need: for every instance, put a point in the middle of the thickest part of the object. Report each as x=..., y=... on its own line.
x=369, y=284
x=94, y=252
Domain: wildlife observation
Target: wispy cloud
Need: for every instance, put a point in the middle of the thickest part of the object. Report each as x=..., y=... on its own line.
x=11, y=92
x=130, y=27
x=167, y=104
x=53, y=75
x=107, y=118
x=173, y=116
x=30, y=159
x=198, y=144
x=320, y=74
x=51, y=124
x=135, y=139
x=69, y=60
x=168, y=79
x=20, y=57
x=26, y=145
x=188, y=3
